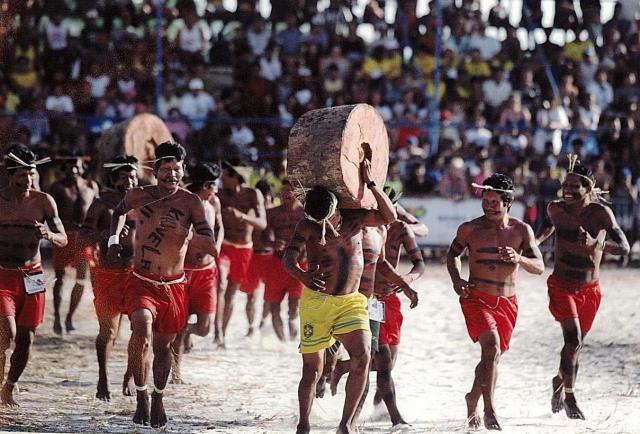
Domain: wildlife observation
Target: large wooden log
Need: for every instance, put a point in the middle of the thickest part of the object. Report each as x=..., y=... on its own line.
x=326, y=147
x=137, y=136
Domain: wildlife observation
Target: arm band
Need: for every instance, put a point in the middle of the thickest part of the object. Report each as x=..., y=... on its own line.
x=113, y=239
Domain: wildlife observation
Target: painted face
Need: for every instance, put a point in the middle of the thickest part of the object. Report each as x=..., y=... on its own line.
x=229, y=179
x=169, y=174
x=126, y=180
x=493, y=206
x=23, y=179
x=572, y=189
x=286, y=194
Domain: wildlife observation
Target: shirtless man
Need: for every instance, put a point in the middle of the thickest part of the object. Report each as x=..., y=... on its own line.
x=281, y=224
x=331, y=306
x=154, y=291
x=498, y=245
x=582, y=225
x=242, y=211
x=73, y=194
x=22, y=283
x=200, y=266
x=109, y=273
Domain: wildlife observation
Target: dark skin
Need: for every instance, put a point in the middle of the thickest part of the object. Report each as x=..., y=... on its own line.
x=74, y=195
x=25, y=210
x=95, y=231
x=165, y=213
x=498, y=245
x=584, y=231
x=336, y=269
x=242, y=211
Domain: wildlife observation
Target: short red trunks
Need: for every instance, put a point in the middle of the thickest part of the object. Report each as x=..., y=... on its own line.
x=109, y=290
x=483, y=312
x=201, y=288
x=236, y=259
x=260, y=270
x=72, y=253
x=574, y=300
x=390, y=328
x=163, y=296
x=282, y=283
x=28, y=310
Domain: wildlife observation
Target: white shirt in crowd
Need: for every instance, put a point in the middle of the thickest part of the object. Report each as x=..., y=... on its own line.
x=496, y=93
x=258, y=41
x=241, y=136
x=194, y=39
x=602, y=92
x=489, y=47
x=62, y=104
x=98, y=84
x=589, y=118
x=57, y=35
x=270, y=69
x=196, y=107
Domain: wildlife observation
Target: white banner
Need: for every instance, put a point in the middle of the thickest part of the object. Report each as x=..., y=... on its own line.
x=443, y=216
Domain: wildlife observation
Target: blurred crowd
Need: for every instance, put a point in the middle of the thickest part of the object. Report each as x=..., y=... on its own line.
x=234, y=82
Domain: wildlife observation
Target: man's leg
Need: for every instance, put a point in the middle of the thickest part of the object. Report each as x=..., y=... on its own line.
x=293, y=316
x=358, y=345
x=311, y=372
x=104, y=343
x=265, y=312
x=563, y=395
x=7, y=336
x=276, y=320
x=76, y=293
x=386, y=387
x=57, y=300
x=223, y=283
x=484, y=382
x=19, y=358
x=250, y=309
x=230, y=293
x=141, y=322
x=161, y=368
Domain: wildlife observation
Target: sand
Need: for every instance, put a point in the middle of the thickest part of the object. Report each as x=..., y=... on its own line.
x=251, y=387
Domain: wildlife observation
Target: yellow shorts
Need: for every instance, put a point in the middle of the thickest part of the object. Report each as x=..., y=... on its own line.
x=322, y=316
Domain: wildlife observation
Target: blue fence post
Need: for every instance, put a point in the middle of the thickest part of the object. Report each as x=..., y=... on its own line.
x=434, y=110
x=157, y=68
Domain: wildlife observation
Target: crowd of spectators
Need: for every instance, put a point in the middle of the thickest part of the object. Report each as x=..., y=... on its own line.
x=234, y=82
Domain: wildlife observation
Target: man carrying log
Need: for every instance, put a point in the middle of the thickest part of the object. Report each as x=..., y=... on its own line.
x=242, y=211
x=582, y=226
x=109, y=273
x=200, y=267
x=74, y=195
x=155, y=293
x=497, y=244
x=331, y=306
x=22, y=283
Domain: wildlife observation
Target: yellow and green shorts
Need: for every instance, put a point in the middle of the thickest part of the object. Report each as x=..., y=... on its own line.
x=322, y=316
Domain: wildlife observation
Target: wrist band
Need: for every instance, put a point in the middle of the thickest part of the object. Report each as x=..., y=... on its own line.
x=600, y=245
x=371, y=184
x=113, y=239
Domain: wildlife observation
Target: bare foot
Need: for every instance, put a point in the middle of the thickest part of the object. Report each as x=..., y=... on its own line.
x=303, y=429
x=491, y=422
x=142, y=409
x=6, y=396
x=128, y=386
x=103, y=393
x=68, y=324
x=473, y=418
x=158, y=416
x=571, y=408
x=57, y=326
x=321, y=386
x=249, y=332
x=557, y=398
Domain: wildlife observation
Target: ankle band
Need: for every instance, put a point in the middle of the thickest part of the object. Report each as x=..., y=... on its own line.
x=158, y=391
x=141, y=388
x=568, y=390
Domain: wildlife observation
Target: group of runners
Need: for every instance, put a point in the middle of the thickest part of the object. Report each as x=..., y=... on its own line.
x=160, y=253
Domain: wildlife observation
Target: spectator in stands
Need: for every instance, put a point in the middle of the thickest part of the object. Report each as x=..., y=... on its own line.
x=197, y=104
x=601, y=90
x=454, y=183
x=496, y=90
x=290, y=39
x=258, y=36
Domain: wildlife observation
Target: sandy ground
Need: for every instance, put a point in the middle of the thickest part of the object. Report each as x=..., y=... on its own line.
x=251, y=387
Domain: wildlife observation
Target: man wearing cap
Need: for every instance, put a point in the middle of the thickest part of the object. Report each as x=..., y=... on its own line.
x=331, y=307
x=498, y=245
x=109, y=273
x=22, y=283
x=582, y=225
x=74, y=195
x=242, y=211
x=197, y=104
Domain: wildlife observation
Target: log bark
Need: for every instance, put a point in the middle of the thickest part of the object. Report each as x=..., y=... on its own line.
x=326, y=147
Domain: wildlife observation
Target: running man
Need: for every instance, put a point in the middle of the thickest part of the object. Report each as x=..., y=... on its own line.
x=242, y=211
x=200, y=267
x=331, y=306
x=155, y=290
x=22, y=283
x=582, y=225
x=74, y=195
x=109, y=273
x=498, y=245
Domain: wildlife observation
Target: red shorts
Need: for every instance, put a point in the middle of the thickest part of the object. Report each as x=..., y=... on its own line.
x=236, y=260
x=71, y=254
x=201, y=288
x=569, y=300
x=260, y=270
x=109, y=290
x=282, y=284
x=390, y=328
x=166, y=302
x=484, y=312
x=28, y=310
